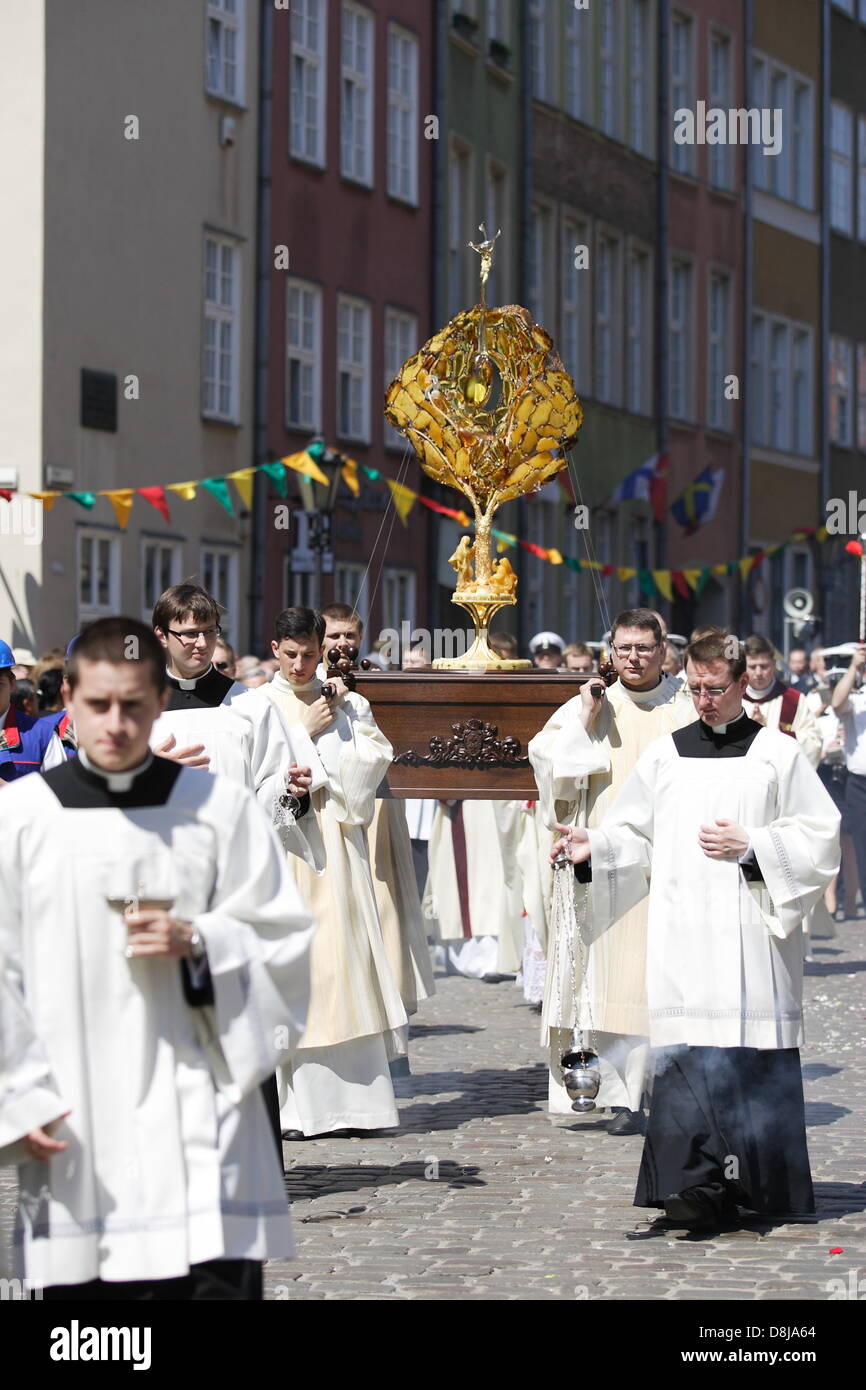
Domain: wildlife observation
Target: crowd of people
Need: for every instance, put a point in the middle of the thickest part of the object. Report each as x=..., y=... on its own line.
x=216, y=923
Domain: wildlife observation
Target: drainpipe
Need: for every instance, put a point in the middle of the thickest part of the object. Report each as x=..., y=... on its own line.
x=525, y=216
x=439, y=241
x=661, y=277
x=262, y=318
x=824, y=329
x=744, y=610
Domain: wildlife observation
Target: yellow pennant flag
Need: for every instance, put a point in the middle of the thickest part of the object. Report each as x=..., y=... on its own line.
x=121, y=500
x=349, y=474
x=46, y=498
x=821, y=533
x=691, y=577
x=304, y=463
x=502, y=544
x=624, y=573
x=184, y=490
x=745, y=566
x=243, y=481
x=403, y=497
x=720, y=569
x=663, y=584
x=554, y=557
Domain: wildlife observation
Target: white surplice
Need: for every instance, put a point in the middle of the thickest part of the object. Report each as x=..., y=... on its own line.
x=579, y=775
x=398, y=902
x=354, y=996
x=493, y=936
x=170, y=1158
x=724, y=956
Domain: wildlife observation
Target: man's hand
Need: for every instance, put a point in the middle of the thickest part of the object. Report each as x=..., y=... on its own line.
x=591, y=705
x=318, y=716
x=757, y=715
x=858, y=660
x=298, y=780
x=153, y=932
x=340, y=687
x=190, y=756
x=574, y=841
x=724, y=840
x=39, y=1143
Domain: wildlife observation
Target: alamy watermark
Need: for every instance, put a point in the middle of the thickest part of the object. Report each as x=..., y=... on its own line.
x=736, y=126
x=22, y=516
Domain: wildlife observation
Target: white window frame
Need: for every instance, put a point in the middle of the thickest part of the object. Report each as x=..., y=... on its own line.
x=681, y=88
x=577, y=96
x=840, y=386
x=91, y=607
x=357, y=163
x=308, y=356
x=720, y=157
x=349, y=577
x=610, y=56
x=226, y=594
x=539, y=50
x=639, y=317
x=540, y=248
x=793, y=378
x=498, y=21
x=460, y=201
x=574, y=287
x=401, y=342
x=498, y=217
x=681, y=327
x=861, y=176
x=175, y=550
x=789, y=175
x=402, y=123
x=607, y=318
x=354, y=369
x=779, y=395
x=801, y=390
x=399, y=594
x=842, y=136
x=222, y=314
x=718, y=349
x=640, y=76
x=308, y=66
x=217, y=12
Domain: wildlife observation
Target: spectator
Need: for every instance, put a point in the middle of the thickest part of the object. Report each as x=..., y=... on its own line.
x=225, y=658
x=24, y=697
x=546, y=650
x=577, y=657
x=504, y=644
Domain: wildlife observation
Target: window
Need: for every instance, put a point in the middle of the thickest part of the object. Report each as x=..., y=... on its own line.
x=841, y=392
x=680, y=339
x=538, y=48
x=219, y=575
x=639, y=66
x=779, y=166
x=718, y=358
x=402, y=115
x=225, y=49
x=497, y=21
x=607, y=315
x=781, y=384
x=577, y=39
x=98, y=575
x=539, y=261
x=789, y=173
x=348, y=582
x=841, y=168
x=357, y=94
x=401, y=341
x=861, y=397
x=160, y=568
x=303, y=356
x=459, y=228
x=398, y=598
x=682, y=156
x=221, y=359
x=720, y=96
x=308, y=73
x=639, y=321
x=802, y=145
x=496, y=213
x=608, y=49
x=353, y=368
x=861, y=178
x=571, y=338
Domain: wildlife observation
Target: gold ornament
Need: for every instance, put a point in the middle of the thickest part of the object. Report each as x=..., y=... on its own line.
x=490, y=410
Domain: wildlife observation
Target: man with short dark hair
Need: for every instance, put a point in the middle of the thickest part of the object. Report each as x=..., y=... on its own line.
x=155, y=949
x=728, y=829
x=777, y=705
x=581, y=759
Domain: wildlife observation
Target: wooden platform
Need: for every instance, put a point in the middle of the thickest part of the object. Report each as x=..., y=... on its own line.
x=464, y=734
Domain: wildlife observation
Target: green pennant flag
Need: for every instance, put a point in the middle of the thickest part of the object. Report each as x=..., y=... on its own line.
x=371, y=473
x=219, y=488
x=316, y=449
x=571, y=563
x=702, y=579
x=84, y=499
x=647, y=583
x=277, y=474
x=733, y=566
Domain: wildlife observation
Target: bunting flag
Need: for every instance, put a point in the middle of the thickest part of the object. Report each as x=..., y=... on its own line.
x=304, y=462
x=403, y=498
x=121, y=500
x=745, y=567
x=662, y=581
x=5, y=494
x=46, y=498
x=680, y=584
x=84, y=499
x=277, y=474
x=349, y=474
x=185, y=490
x=243, y=480
x=554, y=557
x=156, y=497
x=219, y=488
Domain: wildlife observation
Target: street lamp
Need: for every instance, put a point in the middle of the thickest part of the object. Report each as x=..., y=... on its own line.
x=319, y=500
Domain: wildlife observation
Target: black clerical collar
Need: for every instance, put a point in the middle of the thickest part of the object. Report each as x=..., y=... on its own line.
x=81, y=787
x=732, y=740
x=208, y=689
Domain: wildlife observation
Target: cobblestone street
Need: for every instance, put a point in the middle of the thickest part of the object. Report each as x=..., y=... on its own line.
x=481, y=1195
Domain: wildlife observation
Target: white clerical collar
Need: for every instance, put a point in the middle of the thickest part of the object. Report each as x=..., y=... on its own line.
x=116, y=781
x=723, y=728
x=190, y=684
x=642, y=696
x=281, y=683
x=759, y=695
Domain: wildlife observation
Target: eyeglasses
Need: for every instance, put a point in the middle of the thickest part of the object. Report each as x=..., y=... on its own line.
x=222, y=665
x=190, y=638
x=715, y=692
x=623, y=648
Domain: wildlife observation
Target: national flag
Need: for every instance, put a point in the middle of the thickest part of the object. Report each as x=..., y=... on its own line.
x=697, y=504
x=649, y=483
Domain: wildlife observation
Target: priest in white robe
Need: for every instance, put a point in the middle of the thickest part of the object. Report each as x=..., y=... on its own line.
x=156, y=951
x=729, y=830
x=339, y=1079
x=581, y=759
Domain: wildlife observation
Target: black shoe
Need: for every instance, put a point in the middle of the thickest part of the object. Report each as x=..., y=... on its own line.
x=293, y=1136
x=706, y=1208
x=492, y=978
x=627, y=1122
x=535, y=1008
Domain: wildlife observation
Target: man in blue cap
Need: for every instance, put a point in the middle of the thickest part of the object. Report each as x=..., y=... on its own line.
x=24, y=738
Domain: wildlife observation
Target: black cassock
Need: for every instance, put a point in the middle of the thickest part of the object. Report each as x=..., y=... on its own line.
x=731, y=1118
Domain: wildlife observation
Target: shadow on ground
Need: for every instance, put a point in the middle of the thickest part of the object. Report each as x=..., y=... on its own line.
x=303, y=1181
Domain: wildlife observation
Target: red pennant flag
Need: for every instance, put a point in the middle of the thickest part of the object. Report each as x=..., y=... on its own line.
x=854, y=548
x=680, y=584
x=156, y=497
x=608, y=570
x=534, y=549
x=7, y=496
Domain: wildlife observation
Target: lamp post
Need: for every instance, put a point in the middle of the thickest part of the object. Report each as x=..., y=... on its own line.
x=319, y=501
